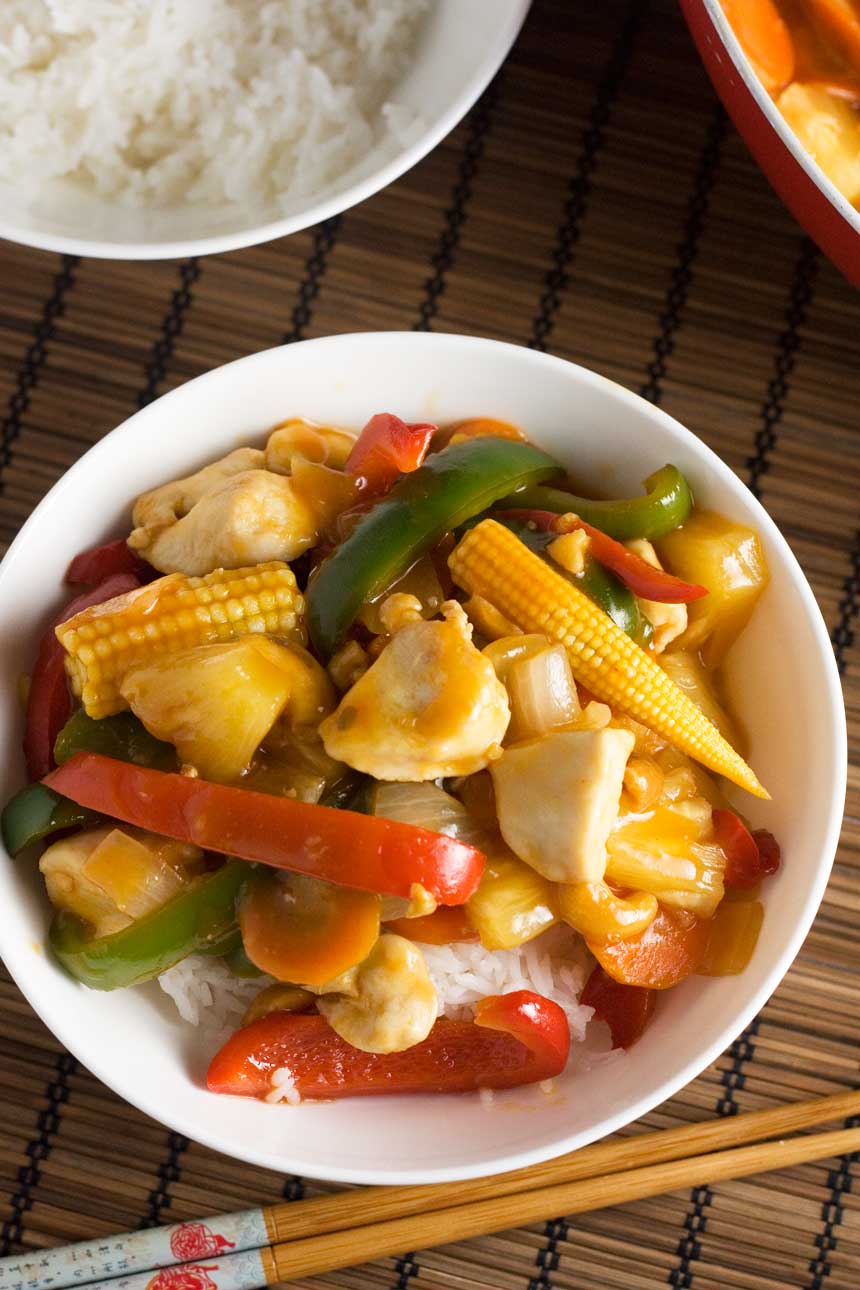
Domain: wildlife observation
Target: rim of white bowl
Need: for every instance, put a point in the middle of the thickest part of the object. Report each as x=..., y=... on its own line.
x=497, y=49
x=831, y=693
x=743, y=65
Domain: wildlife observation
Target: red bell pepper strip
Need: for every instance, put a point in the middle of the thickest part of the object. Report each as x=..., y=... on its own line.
x=515, y=1039
x=344, y=847
x=99, y=562
x=769, y=854
x=637, y=574
x=386, y=449
x=626, y=1009
x=749, y=857
x=49, y=703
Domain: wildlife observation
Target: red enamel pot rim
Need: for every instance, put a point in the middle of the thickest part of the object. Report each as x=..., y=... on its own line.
x=826, y=215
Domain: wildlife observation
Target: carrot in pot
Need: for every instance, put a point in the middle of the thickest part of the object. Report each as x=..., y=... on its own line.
x=838, y=22
x=766, y=40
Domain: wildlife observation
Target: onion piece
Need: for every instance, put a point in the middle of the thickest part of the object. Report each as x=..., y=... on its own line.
x=542, y=693
x=429, y=807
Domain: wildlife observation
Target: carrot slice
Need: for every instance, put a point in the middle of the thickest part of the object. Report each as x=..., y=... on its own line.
x=766, y=40
x=838, y=21
x=300, y=929
x=669, y=950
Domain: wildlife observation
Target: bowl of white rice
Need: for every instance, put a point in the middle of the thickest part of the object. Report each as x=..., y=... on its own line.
x=147, y=129
x=152, y=1044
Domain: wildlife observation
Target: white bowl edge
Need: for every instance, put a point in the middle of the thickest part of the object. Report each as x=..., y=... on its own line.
x=64, y=1016
x=497, y=48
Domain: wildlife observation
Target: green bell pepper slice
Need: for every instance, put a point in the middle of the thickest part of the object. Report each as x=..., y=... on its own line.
x=37, y=812
x=666, y=505
x=199, y=920
x=449, y=488
x=121, y=736
x=598, y=583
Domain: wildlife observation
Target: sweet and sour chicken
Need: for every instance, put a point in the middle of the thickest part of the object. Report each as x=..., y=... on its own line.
x=360, y=718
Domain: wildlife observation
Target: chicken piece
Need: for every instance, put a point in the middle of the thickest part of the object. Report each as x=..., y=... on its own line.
x=297, y=438
x=668, y=621
x=168, y=503
x=247, y=518
x=430, y=705
x=557, y=800
x=392, y=1004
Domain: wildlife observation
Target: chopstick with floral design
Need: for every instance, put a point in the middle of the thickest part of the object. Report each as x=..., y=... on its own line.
x=243, y=1250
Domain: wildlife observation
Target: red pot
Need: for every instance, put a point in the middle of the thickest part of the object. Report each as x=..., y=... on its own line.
x=813, y=200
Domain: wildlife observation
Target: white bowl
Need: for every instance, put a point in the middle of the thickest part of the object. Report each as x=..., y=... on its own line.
x=782, y=676
x=460, y=47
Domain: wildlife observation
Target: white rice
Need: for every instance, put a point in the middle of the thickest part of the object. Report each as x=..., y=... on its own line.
x=207, y=994
x=158, y=102
x=555, y=964
x=284, y=1088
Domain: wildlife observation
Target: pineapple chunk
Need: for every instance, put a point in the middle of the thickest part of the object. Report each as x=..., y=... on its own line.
x=140, y=871
x=70, y=888
x=728, y=559
x=216, y=703
x=829, y=129
x=513, y=903
x=296, y=439
x=670, y=852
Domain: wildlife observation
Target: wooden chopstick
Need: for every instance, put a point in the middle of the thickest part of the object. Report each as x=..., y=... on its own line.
x=314, y=1255
x=252, y=1231
x=373, y=1204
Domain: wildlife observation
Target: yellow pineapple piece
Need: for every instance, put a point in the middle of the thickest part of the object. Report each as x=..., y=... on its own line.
x=729, y=560
x=216, y=703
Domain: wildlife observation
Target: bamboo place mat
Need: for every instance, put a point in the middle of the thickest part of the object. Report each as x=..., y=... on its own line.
x=596, y=204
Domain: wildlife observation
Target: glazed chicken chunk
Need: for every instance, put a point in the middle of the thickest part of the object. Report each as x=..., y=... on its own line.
x=557, y=800
x=430, y=705
x=240, y=511
x=227, y=516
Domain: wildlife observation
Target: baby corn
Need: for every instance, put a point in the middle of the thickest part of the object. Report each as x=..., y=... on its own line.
x=492, y=562
x=174, y=613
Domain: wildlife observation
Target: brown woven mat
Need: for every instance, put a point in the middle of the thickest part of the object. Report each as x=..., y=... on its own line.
x=596, y=204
